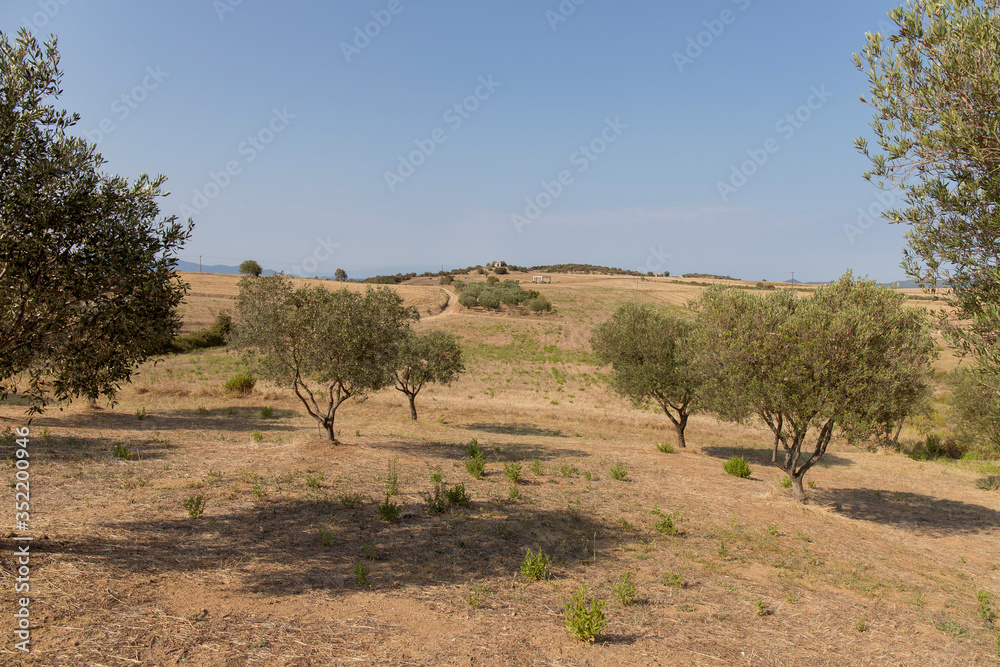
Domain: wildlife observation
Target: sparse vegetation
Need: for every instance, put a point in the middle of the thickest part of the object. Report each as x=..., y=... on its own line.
x=625, y=589
x=389, y=511
x=618, y=472
x=585, y=616
x=195, y=506
x=457, y=495
x=120, y=451
x=536, y=566
x=242, y=383
x=674, y=578
x=737, y=467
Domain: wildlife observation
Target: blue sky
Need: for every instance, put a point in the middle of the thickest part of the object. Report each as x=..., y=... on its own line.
x=689, y=137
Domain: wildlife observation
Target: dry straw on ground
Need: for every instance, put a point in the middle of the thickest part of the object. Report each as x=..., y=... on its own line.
x=121, y=575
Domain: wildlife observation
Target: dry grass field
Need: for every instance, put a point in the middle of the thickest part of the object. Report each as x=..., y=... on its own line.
x=291, y=564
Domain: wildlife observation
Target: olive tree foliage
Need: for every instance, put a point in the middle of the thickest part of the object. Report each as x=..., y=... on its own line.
x=934, y=85
x=88, y=288
x=849, y=356
x=326, y=346
x=433, y=357
x=651, y=360
x=250, y=267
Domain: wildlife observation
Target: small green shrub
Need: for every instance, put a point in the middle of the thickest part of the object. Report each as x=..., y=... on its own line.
x=257, y=436
x=388, y=511
x=785, y=481
x=351, y=500
x=674, y=579
x=512, y=471
x=241, y=383
x=585, y=617
x=361, y=572
x=476, y=466
x=326, y=536
x=537, y=467
x=314, y=479
x=120, y=451
x=266, y=413
x=567, y=470
x=457, y=495
x=665, y=447
x=195, y=506
x=140, y=414
x=985, y=609
x=666, y=526
x=513, y=493
x=861, y=625
x=625, y=589
x=761, y=607
x=952, y=629
x=536, y=566
x=436, y=475
x=737, y=466
x=619, y=472
x=473, y=450
x=437, y=499
x=991, y=483
x=392, y=479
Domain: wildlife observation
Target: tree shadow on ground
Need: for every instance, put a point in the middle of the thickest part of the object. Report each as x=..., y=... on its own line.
x=515, y=429
x=277, y=548
x=74, y=449
x=508, y=452
x=927, y=515
x=762, y=456
x=242, y=418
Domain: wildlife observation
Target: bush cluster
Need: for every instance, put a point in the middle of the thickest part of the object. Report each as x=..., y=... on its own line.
x=213, y=336
x=495, y=293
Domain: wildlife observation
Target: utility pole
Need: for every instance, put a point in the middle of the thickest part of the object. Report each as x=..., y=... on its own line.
x=199, y=263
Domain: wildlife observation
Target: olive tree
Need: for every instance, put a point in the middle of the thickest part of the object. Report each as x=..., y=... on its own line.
x=433, y=357
x=250, y=267
x=844, y=357
x=650, y=358
x=326, y=346
x=88, y=288
x=934, y=85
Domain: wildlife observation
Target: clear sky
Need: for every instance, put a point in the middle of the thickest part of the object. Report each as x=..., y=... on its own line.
x=712, y=136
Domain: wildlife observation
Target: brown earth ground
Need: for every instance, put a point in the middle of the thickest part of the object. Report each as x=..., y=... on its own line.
x=880, y=567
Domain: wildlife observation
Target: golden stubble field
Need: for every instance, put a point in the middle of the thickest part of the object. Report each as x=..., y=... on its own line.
x=880, y=567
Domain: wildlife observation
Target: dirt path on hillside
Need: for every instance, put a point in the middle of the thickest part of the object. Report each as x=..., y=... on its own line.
x=449, y=309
